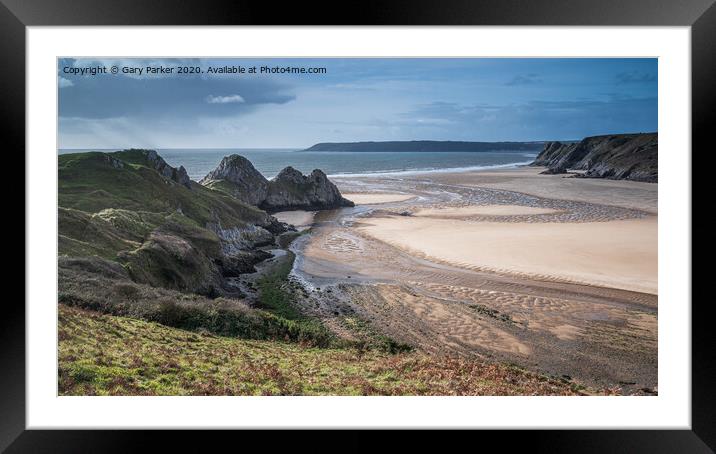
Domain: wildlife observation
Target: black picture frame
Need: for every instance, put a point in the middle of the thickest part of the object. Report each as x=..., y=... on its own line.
x=16, y=15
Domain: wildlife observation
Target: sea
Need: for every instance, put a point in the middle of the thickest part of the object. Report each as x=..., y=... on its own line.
x=198, y=162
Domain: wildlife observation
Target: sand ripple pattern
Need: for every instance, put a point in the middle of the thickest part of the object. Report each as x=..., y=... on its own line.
x=565, y=210
x=602, y=336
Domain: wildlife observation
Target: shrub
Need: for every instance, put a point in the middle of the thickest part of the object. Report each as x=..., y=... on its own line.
x=221, y=316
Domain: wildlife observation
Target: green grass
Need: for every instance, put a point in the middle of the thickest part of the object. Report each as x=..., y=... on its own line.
x=94, y=284
x=92, y=182
x=179, y=255
x=285, y=239
x=118, y=336
x=223, y=186
x=83, y=234
x=107, y=355
x=276, y=298
x=273, y=296
x=371, y=338
x=118, y=207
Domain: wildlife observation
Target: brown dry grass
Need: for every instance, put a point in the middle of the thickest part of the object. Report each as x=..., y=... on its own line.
x=108, y=355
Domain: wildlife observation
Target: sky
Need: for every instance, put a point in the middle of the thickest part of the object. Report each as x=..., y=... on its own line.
x=509, y=99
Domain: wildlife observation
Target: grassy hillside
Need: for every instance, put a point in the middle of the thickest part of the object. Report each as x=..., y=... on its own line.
x=94, y=181
x=224, y=186
x=149, y=305
x=103, y=286
x=108, y=355
x=118, y=206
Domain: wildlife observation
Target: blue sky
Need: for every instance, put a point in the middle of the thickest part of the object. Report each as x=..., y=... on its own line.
x=355, y=100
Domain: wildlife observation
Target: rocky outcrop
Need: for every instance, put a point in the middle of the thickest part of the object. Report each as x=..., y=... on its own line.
x=241, y=263
x=131, y=208
x=177, y=174
x=168, y=259
x=246, y=183
x=192, y=259
x=289, y=190
x=619, y=157
x=151, y=159
x=236, y=239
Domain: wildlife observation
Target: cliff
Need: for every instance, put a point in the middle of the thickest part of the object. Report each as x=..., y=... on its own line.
x=132, y=208
x=426, y=146
x=289, y=190
x=618, y=157
x=242, y=180
x=151, y=159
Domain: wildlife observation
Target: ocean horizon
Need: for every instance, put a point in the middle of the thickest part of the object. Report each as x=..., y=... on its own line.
x=270, y=161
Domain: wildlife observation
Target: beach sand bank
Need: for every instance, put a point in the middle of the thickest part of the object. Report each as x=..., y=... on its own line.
x=556, y=274
x=616, y=254
x=527, y=180
x=299, y=219
x=376, y=198
x=480, y=210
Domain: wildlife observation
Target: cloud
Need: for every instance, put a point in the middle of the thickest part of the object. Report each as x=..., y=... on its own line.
x=353, y=86
x=225, y=99
x=120, y=132
x=524, y=79
x=358, y=99
x=533, y=120
x=635, y=77
x=64, y=83
x=108, y=96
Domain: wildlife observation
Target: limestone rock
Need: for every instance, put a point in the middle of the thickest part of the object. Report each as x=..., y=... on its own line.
x=289, y=190
x=618, y=157
x=244, y=181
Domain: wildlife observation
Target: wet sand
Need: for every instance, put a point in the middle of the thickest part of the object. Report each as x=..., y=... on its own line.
x=489, y=210
x=299, y=219
x=627, y=194
x=368, y=198
x=552, y=276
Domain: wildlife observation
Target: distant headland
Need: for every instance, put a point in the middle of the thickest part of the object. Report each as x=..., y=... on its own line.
x=426, y=146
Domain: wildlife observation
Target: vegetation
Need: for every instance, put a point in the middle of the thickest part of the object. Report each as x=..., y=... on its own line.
x=110, y=201
x=492, y=313
x=372, y=339
x=119, y=207
x=108, y=355
x=139, y=268
x=278, y=299
x=95, y=181
x=223, y=186
x=102, y=286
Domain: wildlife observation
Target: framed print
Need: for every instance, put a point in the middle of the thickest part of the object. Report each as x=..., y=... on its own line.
x=409, y=217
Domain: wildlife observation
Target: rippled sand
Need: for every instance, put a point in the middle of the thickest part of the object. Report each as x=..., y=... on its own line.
x=376, y=198
x=485, y=210
x=542, y=271
x=626, y=194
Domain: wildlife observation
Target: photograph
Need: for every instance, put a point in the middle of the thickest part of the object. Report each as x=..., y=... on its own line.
x=355, y=226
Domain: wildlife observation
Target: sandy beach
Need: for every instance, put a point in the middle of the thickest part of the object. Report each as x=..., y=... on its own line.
x=618, y=254
x=556, y=274
x=298, y=218
x=627, y=194
x=489, y=210
x=376, y=198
